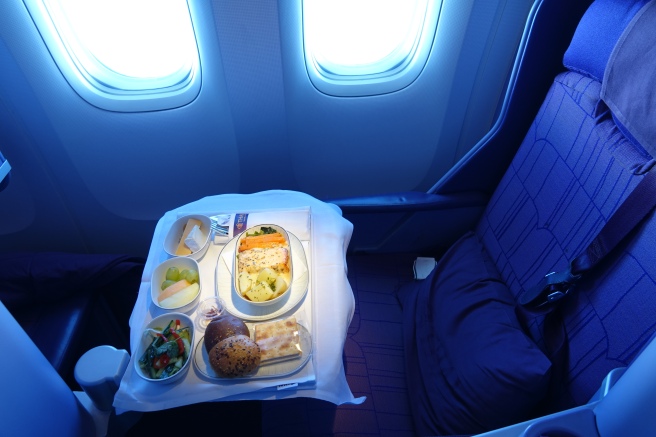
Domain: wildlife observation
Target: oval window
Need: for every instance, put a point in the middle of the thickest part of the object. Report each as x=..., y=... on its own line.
x=123, y=55
x=367, y=47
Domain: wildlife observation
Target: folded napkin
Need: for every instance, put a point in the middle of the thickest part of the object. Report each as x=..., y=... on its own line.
x=228, y=225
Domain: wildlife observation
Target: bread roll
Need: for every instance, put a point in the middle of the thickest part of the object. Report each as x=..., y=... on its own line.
x=222, y=328
x=235, y=356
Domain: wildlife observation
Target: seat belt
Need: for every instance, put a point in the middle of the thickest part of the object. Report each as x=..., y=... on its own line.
x=542, y=297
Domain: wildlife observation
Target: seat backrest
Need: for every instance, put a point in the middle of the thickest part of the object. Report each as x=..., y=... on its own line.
x=574, y=168
x=35, y=399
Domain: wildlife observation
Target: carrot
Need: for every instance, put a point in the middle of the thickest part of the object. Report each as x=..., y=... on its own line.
x=266, y=237
x=266, y=240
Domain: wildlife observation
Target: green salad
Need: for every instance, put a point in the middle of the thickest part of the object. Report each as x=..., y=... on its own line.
x=168, y=351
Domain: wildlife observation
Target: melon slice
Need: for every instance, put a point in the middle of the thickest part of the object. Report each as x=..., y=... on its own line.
x=173, y=289
x=182, y=297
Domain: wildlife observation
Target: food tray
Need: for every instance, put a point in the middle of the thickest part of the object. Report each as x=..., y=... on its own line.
x=272, y=370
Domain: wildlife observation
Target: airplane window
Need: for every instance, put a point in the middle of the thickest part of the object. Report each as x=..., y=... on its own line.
x=123, y=55
x=367, y=47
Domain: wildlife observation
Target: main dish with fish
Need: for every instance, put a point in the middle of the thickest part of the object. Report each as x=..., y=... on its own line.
x=263, y=264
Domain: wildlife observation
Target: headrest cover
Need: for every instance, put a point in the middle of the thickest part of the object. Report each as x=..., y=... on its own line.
x=629, y=85
x=596, y=35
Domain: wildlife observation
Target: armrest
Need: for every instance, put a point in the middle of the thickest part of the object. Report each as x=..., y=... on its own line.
x=408, y=201
x=572, y=423
x=389, y=222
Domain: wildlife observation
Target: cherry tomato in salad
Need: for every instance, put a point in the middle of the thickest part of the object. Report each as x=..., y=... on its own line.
x=161, y=361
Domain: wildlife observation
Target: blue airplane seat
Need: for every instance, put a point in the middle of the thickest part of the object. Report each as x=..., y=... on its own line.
x=68, y=303
x=37, y=401
x=473, y=365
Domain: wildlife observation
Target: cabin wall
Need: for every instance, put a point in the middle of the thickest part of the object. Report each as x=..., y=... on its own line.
x=89, y=180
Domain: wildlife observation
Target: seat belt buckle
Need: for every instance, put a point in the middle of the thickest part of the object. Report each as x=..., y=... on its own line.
x=554, y=286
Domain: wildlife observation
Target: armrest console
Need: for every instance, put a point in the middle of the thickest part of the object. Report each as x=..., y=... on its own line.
x=409, y=201
x=389, y=222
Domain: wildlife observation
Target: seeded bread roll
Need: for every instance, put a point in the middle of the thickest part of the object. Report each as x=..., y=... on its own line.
x=222, y=328
x=235, y=356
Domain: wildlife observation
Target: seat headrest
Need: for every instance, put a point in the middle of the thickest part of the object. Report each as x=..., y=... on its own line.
x=597, y=33
x=629, y=83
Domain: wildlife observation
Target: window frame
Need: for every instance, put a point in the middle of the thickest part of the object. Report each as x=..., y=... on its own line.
x=99, y=88
x=351, y=83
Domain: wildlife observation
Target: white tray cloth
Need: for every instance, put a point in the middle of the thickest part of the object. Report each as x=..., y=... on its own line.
x=328, y=309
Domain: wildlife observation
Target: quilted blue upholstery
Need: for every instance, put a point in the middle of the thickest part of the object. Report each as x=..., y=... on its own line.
x=571, y=172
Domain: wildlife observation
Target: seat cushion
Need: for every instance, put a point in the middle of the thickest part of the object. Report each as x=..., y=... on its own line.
x=470, y=367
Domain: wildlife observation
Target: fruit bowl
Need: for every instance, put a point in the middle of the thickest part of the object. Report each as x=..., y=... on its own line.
x=175, y=284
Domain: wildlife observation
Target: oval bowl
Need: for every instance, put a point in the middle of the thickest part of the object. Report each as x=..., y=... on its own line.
x=158, y=277
x=159, y=323
x=173, y=244
x=289, y=278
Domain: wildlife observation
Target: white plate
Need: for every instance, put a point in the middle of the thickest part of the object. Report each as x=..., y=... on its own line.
x=239, y=307
x=273, y=370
